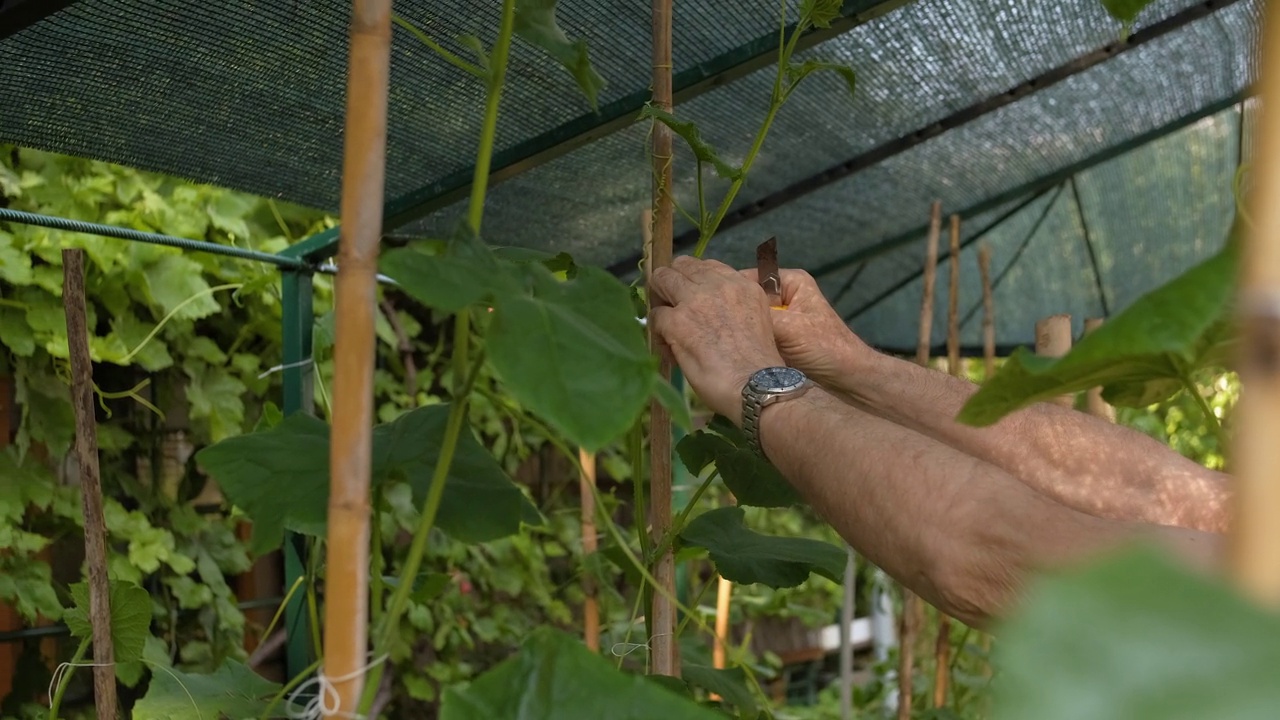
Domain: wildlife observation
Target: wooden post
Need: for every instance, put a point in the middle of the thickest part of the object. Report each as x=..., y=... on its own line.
x=666, y=658
x=988, y=313
x=346, y=614
x=95, y=529
x=912, y=605
x=1053, y=339
x=1254, y=541
x=1093, y=399
x=591, y=603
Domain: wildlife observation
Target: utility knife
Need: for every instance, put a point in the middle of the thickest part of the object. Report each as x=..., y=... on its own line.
x=767, y=271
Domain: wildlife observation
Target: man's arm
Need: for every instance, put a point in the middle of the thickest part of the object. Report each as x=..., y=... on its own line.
x=959, y=532
x=1084, y=462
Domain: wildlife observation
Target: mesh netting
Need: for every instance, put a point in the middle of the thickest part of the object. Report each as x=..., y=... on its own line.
x=248, y=96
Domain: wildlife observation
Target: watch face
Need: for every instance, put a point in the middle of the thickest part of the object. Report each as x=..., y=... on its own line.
x=777, y=379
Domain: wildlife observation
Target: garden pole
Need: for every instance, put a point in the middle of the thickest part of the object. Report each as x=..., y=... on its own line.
x=1053, y=339
x=912, y=605
x=942, y=646
x=666, y=659
x=847, y=607
x=1254, y=541
x=95, y=529
x=356, y=298
x=1093, y=399
x=988, y=313
x=298, y=374
x=590, y=603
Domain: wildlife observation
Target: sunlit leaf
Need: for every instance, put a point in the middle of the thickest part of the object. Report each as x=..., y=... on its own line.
x=1136, y=637
x=820, y=13
x=1138, y=357
x=174, y=280
x=233, y=691
x=745, y=556
x=693, y=137
x=536, y=25
x=554, y=677
x=130, y=617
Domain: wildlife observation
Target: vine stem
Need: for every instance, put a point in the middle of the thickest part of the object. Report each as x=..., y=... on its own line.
x=66, y=678
x=1209, y=416
x=489, y=131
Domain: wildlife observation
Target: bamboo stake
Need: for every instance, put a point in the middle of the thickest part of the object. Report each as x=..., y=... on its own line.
x=1254, y=541
x=847, y=607
x=95, y=529
x=912, y=605
x=1094, y=403
x=363, y=175
x=666, y=658
x=1053, y=339
x=591, y=604
x=988, y=312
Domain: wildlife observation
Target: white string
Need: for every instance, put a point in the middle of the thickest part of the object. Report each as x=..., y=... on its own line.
x=630, y=647
x=288, y=366
x=66, y=667
x=320, y=705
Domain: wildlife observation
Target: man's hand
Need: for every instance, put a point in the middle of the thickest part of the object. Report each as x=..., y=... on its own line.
x=810, y=334
x=715, y=322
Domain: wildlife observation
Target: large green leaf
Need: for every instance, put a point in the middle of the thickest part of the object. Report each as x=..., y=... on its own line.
x=702, y=150
x=554, y=677
x=573, y=353
x=465, y=272
x=745, y=556
x=130, y=618
x=233, y=691
x=1137, y=638
x=753, y=480
x=1139, y=357
x=730, y=684
x=280, y=477
x=536, y=25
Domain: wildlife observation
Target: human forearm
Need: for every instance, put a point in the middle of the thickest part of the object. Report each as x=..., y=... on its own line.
x=957, y=531
x=1084, y=462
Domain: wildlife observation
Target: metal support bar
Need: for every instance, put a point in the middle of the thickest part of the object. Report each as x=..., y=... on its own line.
x=957, y=119
x=1041, y=183
x=584, y=129
x=298, y=375
x=1088, y=245
x=78, y=226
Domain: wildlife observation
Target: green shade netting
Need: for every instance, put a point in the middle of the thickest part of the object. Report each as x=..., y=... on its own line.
x=250, y=95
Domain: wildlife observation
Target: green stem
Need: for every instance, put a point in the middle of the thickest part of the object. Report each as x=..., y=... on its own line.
x=313, y=607
x=489, y=130
x=679, y=524
x=288, y=688
x=66, y=678
x=1209, y=416
x=452, y=59
x=377, y=587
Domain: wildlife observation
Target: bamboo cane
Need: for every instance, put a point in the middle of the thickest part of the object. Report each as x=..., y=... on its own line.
x=988, y=312
x=590, y=604
x=1094, y=403
x=95, y=529
x=363, y=174
x=666, y=659
x=1254, y=541
x=1053, y=339
x=912, y=605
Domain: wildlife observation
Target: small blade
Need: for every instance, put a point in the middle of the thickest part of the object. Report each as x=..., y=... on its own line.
x=767, y=270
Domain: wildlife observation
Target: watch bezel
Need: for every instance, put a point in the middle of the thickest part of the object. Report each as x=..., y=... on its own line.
x=756, y=385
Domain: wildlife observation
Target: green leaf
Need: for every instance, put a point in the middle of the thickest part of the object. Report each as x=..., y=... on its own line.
x=228, y=210
x=233, y=691
x=15, y=333
x=1126, y=11
x=799, y=71
x=745, y=556
x=173, y=280
x=536, y=25
x=426, y=587
x=753, y=480
x=554, y=677
x=130, y=618
x=1138, y=357
x=820, y=13
x=560, y=263
x=674, y=402
x=280, y=477
x=1136, y=637
x=693, y=137
x=464, y=273
x=730, y=684
x=15, y=263
x=573, y=353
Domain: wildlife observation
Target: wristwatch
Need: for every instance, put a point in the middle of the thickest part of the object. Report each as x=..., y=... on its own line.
x=766, y=387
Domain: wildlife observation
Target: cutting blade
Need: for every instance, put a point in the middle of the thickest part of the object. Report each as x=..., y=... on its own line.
x=767, y=270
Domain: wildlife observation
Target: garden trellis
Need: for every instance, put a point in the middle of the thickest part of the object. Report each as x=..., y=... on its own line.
x=1110, y=152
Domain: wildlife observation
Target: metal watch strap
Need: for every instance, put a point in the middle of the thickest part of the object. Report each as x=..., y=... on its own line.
x=752, y=404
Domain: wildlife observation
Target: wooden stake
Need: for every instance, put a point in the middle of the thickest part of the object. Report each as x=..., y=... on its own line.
x=591, y=604
x=1093, y=399
x=930, y=277
x=988, y=312
x=346, y=613
x=95, y=529
x=1254, y=541
x=953, y=306
x=666, y=658
x=1053, y=339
